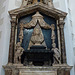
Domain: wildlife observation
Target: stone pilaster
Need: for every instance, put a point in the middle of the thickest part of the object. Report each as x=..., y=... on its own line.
x=63, y=52
x=12, y=39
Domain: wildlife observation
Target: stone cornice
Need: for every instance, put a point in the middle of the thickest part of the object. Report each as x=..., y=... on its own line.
x=50, y=11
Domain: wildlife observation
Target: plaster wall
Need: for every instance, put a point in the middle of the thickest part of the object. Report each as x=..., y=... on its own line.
x=4, y=34
x=5, y=28
x=72, y=13
x=69, y=31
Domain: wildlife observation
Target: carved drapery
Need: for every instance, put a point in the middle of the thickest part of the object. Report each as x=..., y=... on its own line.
x=37, y=17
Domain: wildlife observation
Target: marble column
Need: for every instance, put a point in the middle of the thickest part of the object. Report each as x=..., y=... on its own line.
x=12, y=39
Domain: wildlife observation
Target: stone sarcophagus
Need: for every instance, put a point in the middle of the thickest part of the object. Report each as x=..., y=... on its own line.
x=37, y=45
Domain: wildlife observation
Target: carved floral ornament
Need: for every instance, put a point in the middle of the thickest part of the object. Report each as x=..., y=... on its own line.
x=33, y=23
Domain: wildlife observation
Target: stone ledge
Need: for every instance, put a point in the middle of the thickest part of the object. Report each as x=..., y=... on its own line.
x=19, y=69
x=20, y=66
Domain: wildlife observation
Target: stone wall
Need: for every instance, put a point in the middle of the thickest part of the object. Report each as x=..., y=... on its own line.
x=69, y=29
x=5, y=28
x=4, y=34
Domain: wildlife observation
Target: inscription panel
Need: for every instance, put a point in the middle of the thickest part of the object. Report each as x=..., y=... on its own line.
x=38, y=73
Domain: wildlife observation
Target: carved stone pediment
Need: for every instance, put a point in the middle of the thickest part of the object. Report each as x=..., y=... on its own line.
x=50, y=11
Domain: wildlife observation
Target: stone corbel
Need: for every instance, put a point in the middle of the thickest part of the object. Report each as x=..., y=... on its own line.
x=63, y=52
x=12, y=40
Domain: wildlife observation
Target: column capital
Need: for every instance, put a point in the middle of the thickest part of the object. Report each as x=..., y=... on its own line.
x=61, y=23
x=13, y=21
